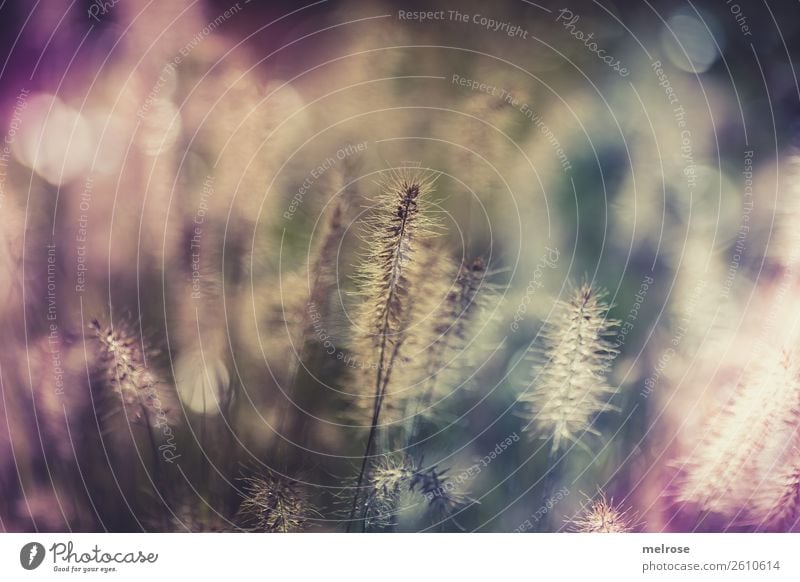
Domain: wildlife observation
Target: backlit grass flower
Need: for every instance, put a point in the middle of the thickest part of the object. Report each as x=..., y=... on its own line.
x=570, y=386
x=273, y=504
x=602, y=516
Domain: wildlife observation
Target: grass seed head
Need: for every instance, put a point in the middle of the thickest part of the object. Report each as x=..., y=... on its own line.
x=602, y=516
x=570, y=387
x=275, y=504
x=123, y=367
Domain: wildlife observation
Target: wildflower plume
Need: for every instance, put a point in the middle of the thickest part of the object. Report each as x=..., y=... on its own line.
x=777, y=506
x=570, y=387
x=400, y=219
x=123, y=367
x=275, y=504
x=394, y=230
x=602, y=516
x=388, y=479
x=395, y=477
x=725, y=471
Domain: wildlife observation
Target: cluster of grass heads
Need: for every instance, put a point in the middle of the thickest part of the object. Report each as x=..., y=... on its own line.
x=418, y=329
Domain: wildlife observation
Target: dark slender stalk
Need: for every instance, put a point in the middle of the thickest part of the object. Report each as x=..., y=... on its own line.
x=372, y=430
x=547, y=486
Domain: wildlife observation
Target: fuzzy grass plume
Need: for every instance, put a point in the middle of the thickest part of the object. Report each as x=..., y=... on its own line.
x=777, y=507
x=432, y=281
x=723, y=473
x=396, y=477
x=399, y=221
x=388, y=479
x=322, y=268
x=602, y=516
x=129, y=388
x=122, y=366
x=570, y=386
x=275, y=504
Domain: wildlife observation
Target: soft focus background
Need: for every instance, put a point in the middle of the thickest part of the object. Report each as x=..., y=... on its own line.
x=171, y=174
